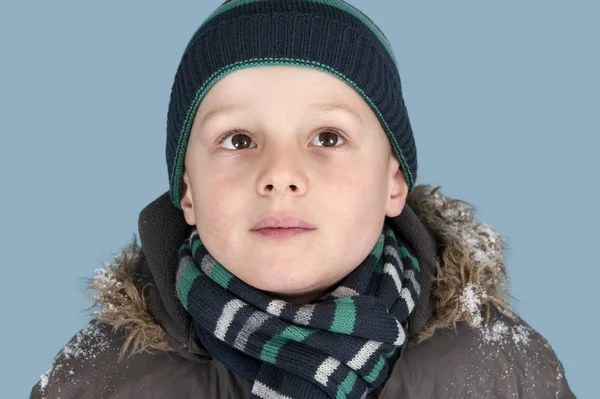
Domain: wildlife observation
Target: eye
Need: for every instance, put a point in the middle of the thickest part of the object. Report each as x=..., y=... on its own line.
x=328, y=138
x=236, y=141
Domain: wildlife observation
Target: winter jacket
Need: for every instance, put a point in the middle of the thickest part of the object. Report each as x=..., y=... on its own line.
x=465, y=341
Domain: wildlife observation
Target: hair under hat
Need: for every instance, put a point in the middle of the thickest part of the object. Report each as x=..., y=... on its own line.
x=326, y=35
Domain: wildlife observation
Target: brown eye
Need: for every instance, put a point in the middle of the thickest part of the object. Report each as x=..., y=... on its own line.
x=237, y=141
x=241, y=141
x=328, y=138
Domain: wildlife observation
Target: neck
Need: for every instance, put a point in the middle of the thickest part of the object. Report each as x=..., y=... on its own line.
x=299, y=299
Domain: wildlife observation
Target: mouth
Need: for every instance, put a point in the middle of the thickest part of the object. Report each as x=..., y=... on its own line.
x=281, y=228
x=281, y=233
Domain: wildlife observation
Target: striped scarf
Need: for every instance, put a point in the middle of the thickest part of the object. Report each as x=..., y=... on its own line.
x=336, y=347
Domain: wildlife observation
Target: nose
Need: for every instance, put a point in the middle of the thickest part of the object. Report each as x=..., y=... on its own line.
x=283, y=172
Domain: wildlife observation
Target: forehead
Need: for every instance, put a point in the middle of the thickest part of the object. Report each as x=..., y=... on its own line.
x=202, y=119
x=288, y=72
x=298, y=87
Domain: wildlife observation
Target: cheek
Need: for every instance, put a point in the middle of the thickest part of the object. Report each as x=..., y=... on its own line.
x=359, y=191
x=356, y=209
x=216, y=198
x=216, y=224
x=216, y=206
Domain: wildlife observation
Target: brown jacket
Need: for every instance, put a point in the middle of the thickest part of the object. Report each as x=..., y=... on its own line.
x=465, y=341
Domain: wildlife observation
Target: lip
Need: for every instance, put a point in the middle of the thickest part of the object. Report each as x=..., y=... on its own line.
x=281, y=227
x=275, y=222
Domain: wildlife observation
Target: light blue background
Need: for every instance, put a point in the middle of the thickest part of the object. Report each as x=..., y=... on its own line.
x=502, y=96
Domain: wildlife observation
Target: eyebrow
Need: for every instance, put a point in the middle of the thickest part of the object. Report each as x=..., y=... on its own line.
x=329, y=107
x=225, y=109
x=322, y=107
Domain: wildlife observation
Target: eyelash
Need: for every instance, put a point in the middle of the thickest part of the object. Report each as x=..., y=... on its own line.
x=224, y=136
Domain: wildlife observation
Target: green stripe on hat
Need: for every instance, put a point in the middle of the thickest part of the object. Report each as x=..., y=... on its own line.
x=341, y=5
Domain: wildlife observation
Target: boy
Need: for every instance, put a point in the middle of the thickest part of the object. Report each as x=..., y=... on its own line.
x=294, y=256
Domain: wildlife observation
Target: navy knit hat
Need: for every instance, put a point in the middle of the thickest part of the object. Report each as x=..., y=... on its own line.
x=327, y=35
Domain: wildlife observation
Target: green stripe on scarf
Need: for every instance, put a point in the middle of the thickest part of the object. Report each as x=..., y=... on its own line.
x=345, y=316
x=272, y=347
x=415, y=262
x=346, y=385
x=190, y=274
x=221, y=276
x=378, y=250
x=195, y=246
x=379, y=366
x=218, y=274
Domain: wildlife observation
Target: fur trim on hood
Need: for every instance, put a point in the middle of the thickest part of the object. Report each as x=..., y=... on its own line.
x=123, y=305
x=471, y=276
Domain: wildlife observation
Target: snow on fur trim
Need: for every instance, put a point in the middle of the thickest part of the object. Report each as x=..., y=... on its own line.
x=472, y=276
x=124, y=306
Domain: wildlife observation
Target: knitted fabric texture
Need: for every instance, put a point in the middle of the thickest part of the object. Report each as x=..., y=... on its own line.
x=326, y=35
x=335, y=347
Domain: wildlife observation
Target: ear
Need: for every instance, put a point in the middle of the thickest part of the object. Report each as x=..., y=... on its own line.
x=398, y=189
x=187, y=201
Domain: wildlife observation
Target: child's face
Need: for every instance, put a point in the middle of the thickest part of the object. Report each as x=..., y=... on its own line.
x=284, y=161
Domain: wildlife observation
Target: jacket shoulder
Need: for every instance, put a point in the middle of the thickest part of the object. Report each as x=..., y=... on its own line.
x=505, y=358
x=89, y=366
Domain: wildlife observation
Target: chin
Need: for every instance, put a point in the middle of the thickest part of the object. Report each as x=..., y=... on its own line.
x=282, y=281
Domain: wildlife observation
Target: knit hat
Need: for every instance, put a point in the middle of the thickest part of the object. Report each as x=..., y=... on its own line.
x=327, y=35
